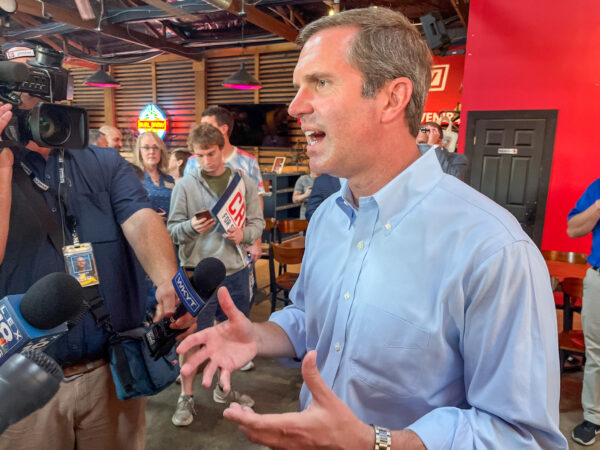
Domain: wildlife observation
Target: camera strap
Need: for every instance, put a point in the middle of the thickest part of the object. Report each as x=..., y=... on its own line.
x=40, y=208
x=70, y=220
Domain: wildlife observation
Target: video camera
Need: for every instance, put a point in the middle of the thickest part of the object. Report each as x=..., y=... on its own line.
x=47, y=124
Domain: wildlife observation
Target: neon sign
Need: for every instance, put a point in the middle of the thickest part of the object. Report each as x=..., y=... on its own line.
x=153, y=119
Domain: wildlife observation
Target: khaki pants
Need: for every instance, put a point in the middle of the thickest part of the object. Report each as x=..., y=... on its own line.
x=590, y=321
x=84, y=414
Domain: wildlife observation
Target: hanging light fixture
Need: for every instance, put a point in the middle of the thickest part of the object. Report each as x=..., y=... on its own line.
x=101, y=79
x=241, y=79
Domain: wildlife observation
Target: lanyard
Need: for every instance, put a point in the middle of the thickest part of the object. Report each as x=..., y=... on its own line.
x=60, y=196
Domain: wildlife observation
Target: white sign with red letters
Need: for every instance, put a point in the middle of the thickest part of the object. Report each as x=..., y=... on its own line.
x=230, y=210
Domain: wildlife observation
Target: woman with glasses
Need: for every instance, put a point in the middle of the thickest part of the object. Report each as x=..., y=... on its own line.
x=151, y=156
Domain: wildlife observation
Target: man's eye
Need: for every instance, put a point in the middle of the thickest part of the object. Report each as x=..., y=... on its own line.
x=321, y=83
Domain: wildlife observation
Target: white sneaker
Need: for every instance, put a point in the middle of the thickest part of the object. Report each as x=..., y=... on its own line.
x=220, y=396
x=184, y=412
x=248, y=366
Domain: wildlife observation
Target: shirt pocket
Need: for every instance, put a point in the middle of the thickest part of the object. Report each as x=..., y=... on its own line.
x=387, y=352
x=95, y=218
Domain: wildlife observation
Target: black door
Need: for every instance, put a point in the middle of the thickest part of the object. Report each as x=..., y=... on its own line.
x=510, y=155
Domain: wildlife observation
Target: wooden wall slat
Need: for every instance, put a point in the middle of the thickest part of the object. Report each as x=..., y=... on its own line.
x=176, y=95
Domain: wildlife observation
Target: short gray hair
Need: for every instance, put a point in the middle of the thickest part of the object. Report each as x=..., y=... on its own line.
x=95, y=135
x=386, y=47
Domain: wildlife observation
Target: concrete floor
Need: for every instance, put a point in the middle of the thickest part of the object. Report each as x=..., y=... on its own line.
x=275, y=389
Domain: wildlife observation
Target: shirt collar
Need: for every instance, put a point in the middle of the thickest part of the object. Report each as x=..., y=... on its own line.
x=233, y=155
x=402, y=193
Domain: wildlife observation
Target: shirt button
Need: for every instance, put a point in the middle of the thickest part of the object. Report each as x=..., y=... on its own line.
x=347, y=296
x=53, y=210
x=388, y=226
x=47, y=177
x=337, y=347
x=361, y=245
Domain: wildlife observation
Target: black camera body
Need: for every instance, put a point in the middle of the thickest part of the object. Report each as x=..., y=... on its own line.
x=47, y=124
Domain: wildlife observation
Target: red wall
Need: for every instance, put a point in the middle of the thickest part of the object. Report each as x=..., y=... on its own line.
x=540, y=54
x=448, y=98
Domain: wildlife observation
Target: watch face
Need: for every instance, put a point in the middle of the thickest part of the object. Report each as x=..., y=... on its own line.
x=8, y=6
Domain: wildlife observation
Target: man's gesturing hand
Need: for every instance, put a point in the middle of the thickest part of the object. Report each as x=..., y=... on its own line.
x=326, y=423
x=228, y=345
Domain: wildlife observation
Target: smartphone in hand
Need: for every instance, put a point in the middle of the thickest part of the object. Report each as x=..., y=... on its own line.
x=204, y=214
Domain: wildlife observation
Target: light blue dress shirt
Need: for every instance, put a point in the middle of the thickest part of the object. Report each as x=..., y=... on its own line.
x=430, y=309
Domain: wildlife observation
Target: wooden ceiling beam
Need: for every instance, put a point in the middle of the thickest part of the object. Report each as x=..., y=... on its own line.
x=462, y=10
x=281, y=13
x=170, y=9
x=297, y=15
x=58, y=14
x=264, y=21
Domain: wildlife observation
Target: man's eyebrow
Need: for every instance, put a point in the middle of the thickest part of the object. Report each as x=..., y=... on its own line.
x=312, y=77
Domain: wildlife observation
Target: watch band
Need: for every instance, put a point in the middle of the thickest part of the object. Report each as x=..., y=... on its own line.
x=383, y=438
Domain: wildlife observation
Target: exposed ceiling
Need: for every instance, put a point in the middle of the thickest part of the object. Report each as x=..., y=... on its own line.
x=121, y=31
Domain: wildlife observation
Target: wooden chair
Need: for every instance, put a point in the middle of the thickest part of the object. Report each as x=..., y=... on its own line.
x=569, y=257
x=569, y=340
x=268, y=236
x=572, y=289
x=285, y=280
x=291, y=226
x=563, y=257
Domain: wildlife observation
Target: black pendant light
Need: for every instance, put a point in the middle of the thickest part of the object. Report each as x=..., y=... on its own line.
x=102, y=79
x=242, y=79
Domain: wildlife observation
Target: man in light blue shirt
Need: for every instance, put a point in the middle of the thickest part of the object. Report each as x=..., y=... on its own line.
x=422, y=307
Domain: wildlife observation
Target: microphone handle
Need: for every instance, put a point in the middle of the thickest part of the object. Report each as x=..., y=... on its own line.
x=181, y=310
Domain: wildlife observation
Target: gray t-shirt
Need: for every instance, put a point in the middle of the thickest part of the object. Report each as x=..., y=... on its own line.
x=302, y=184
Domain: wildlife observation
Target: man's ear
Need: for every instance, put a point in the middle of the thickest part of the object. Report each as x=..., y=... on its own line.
x=397, y=93
x=224, y=129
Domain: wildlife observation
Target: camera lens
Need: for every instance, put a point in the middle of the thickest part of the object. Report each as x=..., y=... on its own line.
x=54, y=126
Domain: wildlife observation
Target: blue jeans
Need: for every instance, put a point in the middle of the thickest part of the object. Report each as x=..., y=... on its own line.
x=238, y=285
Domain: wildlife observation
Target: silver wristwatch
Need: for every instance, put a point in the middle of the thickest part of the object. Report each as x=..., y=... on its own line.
x=383, y=438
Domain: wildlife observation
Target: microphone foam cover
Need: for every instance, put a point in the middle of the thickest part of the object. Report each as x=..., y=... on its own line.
x=52, y=300
x=208, y=275
x=44, y=361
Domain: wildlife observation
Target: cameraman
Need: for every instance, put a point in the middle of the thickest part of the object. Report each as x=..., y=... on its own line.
x=102, y=202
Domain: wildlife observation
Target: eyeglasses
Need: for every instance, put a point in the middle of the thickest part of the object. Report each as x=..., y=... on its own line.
x=424, y=130
x=147, y=148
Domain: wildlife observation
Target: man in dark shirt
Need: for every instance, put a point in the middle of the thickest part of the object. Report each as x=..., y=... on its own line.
x=111, y=211
x=323, y=186
x=452, y=163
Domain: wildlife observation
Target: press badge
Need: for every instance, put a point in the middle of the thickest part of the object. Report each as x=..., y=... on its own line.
x=81, y=264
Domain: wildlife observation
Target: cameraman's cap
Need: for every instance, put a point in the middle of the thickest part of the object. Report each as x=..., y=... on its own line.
x=13, y=50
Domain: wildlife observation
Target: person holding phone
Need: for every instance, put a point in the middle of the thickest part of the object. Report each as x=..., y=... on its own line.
x=151, y=156
x=199, y=235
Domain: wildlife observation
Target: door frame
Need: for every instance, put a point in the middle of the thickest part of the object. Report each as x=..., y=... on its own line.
x=551, y=116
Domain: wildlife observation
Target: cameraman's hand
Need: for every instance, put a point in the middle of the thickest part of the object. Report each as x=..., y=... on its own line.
x=6, y=155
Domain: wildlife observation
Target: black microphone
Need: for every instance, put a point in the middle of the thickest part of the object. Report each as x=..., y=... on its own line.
x=28, y=381
x=40, y=316
x=208, y=275
x=13, y=72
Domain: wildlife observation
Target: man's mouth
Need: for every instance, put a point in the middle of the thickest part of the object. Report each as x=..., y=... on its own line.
x=313, y=136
